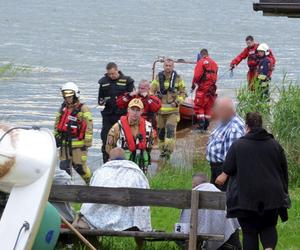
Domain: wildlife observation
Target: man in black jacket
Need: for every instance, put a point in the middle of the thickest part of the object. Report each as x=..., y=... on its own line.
x=258, y=186
x=113, y=84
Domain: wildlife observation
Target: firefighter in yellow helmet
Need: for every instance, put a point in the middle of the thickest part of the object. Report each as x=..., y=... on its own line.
x=73, y=132
x=134, y=134
x=170, y=88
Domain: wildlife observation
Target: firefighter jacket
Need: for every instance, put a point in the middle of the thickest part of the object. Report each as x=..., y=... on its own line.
x=110, y=89
x=74, y=126
x=171, y=90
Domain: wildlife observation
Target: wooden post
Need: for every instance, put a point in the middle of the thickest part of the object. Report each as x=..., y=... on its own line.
x=194, y=220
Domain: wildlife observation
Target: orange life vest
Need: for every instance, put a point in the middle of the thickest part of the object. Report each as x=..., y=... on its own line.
x=69, y=123
x=130, y=140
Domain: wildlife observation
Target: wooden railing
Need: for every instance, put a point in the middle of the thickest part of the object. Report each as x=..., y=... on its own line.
x=182, y=199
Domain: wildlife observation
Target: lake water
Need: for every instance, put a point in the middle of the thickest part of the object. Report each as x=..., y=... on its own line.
x=73, y=40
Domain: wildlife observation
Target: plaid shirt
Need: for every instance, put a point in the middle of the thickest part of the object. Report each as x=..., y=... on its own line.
x=222, y=137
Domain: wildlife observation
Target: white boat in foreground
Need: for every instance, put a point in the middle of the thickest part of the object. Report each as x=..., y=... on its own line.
x=27, y=165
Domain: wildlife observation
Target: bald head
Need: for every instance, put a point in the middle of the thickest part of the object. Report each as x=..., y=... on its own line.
x=117, y=154
x=198, y=179
x=224, y=109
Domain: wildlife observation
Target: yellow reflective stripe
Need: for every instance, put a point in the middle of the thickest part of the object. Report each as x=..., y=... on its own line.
x=168, y=109
x=121, y=83
x=84, y=158
x=87, y=115
x=262, y=77
x=88, y=136
x=77, y=143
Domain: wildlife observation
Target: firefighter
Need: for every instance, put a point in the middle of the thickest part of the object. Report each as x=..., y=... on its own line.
x=113, y=84
x=250, y=52
x=205, y=78
x=170, y=88
x=264, y=71
x=133, y=134
x=151, y=102
x=73, y=132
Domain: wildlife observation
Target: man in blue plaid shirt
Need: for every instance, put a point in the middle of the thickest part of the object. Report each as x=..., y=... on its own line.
x=230, y=127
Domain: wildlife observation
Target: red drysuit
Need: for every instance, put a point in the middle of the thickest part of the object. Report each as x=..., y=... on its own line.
x=252, y=61
x=205, y=77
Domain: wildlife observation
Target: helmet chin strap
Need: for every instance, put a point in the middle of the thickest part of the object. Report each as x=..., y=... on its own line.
x=75, y=99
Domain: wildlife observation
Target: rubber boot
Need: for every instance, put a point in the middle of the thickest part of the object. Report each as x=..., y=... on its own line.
x=202, y=125
x=206, y=125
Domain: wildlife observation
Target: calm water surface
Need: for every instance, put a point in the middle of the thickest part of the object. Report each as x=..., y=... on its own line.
x=73, y=40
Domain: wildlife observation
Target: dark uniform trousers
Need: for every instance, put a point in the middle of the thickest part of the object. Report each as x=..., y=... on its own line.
x=109, y=90
x=108, y=120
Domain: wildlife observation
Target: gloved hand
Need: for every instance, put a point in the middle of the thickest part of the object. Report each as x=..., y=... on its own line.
x=144, y=94
x=58, y=141
x=193, y=87
x=101, y=101
x=133, y=93
x=232, y=66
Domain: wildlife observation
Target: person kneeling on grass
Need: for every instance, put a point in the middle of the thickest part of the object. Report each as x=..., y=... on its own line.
x=213, y=221
x=117, y=172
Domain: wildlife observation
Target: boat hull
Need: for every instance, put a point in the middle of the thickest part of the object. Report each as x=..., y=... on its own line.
x=27, y=164
x=186, y=109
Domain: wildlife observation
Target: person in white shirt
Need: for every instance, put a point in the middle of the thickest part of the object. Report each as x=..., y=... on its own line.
x=213, y=221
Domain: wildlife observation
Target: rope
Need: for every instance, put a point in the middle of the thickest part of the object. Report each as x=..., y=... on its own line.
x=15, y=128
x=26, y=227
x=224, y=74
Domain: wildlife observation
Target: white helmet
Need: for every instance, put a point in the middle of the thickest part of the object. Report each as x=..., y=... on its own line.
x=70, y=89
x=264, y=47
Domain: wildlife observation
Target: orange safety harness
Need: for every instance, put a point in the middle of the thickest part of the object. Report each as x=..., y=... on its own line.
x=130, y=140
x=70, y=124
x=70, y=127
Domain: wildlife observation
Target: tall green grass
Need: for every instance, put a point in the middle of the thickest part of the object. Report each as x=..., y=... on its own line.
x=252, y=101
x=286, y=127
x=281, y=117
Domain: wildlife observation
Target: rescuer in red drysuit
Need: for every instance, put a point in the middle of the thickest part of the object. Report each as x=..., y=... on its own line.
x=250, y=52
x=205, y=78
x=151, y=103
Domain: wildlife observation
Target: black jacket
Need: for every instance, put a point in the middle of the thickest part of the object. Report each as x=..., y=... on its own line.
x=257, y=167
x=110, y=89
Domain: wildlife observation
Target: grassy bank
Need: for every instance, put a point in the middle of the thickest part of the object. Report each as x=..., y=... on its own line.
x=165, y=218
